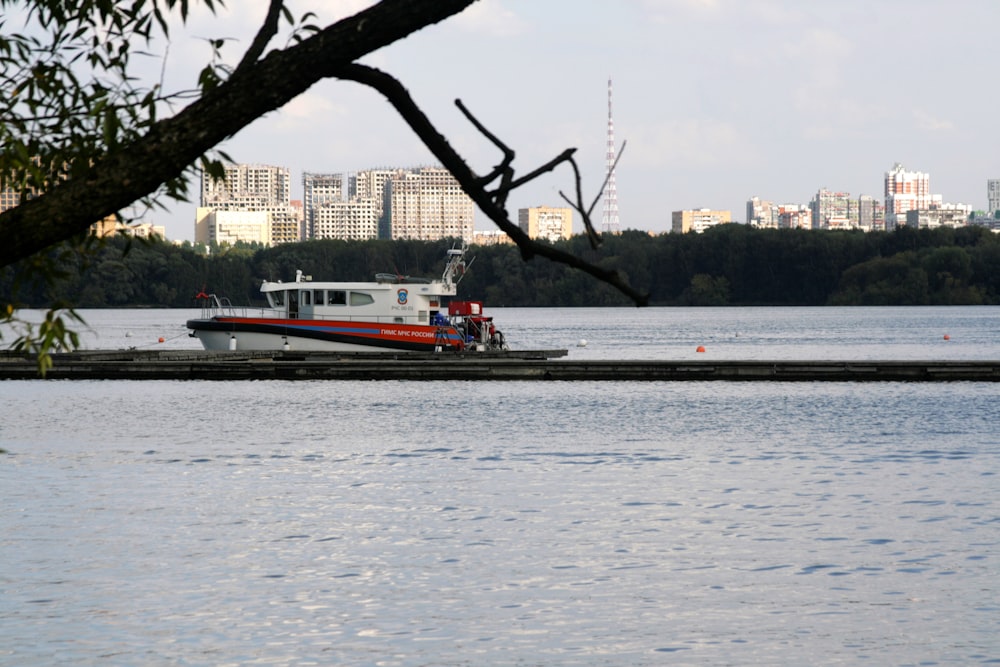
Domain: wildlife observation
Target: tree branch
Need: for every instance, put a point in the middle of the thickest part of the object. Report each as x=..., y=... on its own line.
x=172, y=145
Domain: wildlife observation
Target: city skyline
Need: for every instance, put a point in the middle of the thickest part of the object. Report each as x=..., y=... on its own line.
x=253, y=203
x=350, y=211
x=717, y=100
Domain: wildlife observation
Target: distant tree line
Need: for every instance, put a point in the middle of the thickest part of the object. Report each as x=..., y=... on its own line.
x=727, y=265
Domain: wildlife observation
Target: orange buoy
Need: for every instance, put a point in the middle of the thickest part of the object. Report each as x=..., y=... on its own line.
x=161, y=339
x=701, y=348
x=947, y=337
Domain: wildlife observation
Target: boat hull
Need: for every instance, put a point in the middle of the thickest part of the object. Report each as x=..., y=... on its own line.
x=245, y=333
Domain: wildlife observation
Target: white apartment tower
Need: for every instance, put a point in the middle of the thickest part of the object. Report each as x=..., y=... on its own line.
x=832, y=210
x=320, y=190
x=371, y=182
x=425, y=203
x=762, y=214
x=355, y=220
x=993, y=195
x=251, y=188
x=905, y=191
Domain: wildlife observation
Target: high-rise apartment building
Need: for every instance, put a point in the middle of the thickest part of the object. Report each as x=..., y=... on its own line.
x=698, y=220
x=335, y=210
x=831, y=210
x=546, y=222
x=905, y=191
x=355, y=220
x=794, y=216
x=871, y=214
x=371, y=183
x=993, y=195
x=425, y=204
x=251, y=188
x=230, y=227
x=762, y=214
x=946, y=215
x=319, y=191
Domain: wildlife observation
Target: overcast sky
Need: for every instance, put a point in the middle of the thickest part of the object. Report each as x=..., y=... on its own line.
x=719, y=100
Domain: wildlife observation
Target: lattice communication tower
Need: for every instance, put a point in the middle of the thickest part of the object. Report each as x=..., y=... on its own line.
x=609, y=221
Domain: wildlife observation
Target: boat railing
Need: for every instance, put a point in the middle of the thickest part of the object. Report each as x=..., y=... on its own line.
x=212, y=305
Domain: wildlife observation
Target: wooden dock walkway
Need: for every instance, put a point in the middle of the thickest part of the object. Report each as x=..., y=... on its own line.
x=510, y=365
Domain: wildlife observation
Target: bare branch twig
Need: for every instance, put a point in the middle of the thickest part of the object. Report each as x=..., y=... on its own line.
x=592, y=235
x=508, y=155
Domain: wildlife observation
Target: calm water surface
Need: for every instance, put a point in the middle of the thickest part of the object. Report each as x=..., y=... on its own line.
x=395, y=523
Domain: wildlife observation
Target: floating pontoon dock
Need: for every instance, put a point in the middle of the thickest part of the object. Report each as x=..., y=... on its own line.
x=507, y=365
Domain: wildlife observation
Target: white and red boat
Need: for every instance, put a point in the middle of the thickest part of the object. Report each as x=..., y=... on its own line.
x=392, y=313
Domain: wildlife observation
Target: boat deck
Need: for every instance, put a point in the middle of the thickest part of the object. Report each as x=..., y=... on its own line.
x=506, y=365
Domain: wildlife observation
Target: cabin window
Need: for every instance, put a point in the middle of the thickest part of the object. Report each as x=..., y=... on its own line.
x=361, y=299
x=306, y=297
x=318, y=297
x=277, y=299
x=336, y=297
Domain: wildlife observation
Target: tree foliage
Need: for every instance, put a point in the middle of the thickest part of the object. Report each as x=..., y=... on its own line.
x=727, y=265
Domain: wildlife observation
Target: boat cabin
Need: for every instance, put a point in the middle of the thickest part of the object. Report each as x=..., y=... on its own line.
x=391, y=299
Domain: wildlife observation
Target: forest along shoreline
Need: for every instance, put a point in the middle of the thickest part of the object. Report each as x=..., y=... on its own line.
x=728, y=265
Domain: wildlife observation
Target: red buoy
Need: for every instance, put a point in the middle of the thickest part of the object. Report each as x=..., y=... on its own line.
x=947, y=337
x=701, y=348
